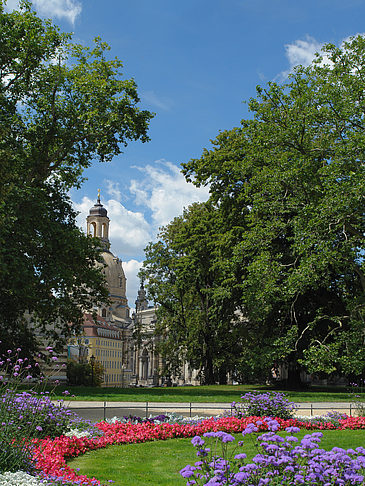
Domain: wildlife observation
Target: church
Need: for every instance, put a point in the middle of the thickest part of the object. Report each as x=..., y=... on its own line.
x=124, y=345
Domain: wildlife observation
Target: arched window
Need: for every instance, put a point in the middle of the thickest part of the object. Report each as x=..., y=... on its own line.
x=103, y=313
x=93, y=229
x=105, y=231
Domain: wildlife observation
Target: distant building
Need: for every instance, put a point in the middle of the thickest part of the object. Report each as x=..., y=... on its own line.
x=108, y=344
x=125, y=346
x=147, y=363
x=146, y=360
x=107, y=330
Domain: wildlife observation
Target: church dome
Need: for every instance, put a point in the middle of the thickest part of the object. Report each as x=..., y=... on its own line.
x=116, y=281
x=98, y=210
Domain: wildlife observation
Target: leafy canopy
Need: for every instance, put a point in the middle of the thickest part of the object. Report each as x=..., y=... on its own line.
x=292, y=179
x=191, y=280
x=62, y=106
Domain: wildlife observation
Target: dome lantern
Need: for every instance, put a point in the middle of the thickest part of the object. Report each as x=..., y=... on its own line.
x=98, y=222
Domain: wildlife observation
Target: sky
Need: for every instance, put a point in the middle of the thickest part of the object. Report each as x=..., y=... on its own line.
x=195, y=64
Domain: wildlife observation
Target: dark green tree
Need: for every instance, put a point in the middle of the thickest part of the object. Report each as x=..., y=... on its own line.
x=190, y=279
x=62, y=106
x=293, y=179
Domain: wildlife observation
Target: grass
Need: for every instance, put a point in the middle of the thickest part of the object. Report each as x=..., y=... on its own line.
x=211, y=393
x=159, y=463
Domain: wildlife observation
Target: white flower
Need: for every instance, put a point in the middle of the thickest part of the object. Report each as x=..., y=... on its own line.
x=76, y=433
x=19, y=478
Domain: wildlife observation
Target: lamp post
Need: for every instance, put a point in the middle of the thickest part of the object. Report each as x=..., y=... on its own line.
x=92, y=363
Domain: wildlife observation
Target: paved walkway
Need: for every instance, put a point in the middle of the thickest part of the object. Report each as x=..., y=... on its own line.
x=101, y=410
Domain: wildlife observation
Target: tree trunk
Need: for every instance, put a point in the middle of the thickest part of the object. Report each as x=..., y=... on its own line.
x=294, y=380
x=209, y=378
x=222, y=375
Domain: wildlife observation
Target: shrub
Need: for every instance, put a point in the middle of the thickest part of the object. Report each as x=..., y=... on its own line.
x=280, y=460
x=14, y=450
x=263, y=405
x=80, y=373
x=27, y=414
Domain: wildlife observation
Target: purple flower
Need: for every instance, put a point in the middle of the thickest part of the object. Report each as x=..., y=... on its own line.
x=187, y=471
x=197, y=441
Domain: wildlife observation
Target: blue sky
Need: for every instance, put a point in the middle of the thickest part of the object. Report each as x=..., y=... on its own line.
x=195, y=63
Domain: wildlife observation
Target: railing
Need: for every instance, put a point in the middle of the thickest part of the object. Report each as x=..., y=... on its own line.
x=146, y=408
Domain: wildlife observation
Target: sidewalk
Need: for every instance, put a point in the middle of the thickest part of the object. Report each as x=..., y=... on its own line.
x=101, y=410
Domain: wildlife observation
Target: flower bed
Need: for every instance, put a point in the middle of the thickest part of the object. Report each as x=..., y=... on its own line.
x=50, y=455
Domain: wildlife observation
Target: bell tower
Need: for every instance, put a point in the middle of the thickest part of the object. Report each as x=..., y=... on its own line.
x=98, y=223
x=141, y=302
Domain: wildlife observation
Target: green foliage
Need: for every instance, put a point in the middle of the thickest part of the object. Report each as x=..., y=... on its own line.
x=192, y=282
x=62, y=106
x=80, y=373
x=293, y=180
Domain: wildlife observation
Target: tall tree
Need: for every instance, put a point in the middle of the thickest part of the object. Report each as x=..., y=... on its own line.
x=191, y=281
x=293, y=178
x=62, y=106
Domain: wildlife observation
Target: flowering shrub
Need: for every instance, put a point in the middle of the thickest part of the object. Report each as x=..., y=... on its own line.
x=14, y=453
x=263, y=405
x=279, y=460
x=36, y=416
x=27, y=415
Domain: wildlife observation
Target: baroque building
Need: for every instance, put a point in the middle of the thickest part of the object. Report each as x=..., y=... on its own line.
x=107, y=330
x=125, y=345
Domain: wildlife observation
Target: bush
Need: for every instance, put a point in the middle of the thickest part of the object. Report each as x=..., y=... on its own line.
x=263, y=405
x=280, y=460
x=80, y=373
x=25, y=415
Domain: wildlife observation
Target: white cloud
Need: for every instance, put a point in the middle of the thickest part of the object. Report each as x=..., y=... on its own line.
x=11, y=5
x=153, y=99
x=165, y=192
x=131, y=269
x=302, y=51
x=63, y=9
x=112, y=188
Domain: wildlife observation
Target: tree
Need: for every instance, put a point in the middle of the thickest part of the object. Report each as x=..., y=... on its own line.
x=293, y=179
x=191, y=281
x=62, y=106
x=82, y=373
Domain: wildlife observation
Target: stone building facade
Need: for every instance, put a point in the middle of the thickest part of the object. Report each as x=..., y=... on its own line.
x=125, y=345
x=107, y=330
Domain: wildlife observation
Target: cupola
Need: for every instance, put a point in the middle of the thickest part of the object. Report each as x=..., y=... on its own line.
x=98, y=222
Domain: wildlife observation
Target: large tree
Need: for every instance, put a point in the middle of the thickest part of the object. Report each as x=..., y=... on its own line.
x=293, y=178
x=62, y=106
x=190, y=278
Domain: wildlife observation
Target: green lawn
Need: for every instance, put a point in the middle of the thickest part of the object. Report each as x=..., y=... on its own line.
x=212, y=393
x=158, y=463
